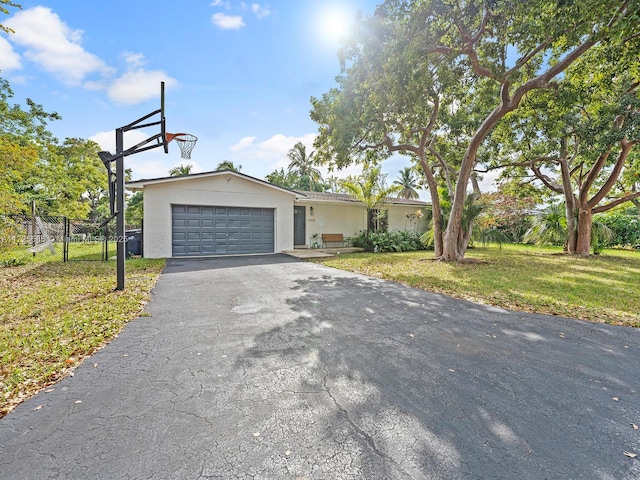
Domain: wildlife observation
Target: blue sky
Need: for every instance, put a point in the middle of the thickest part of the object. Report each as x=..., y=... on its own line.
x=239, y=75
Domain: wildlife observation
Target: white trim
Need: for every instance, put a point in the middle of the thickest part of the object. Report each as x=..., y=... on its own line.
x=138, y=185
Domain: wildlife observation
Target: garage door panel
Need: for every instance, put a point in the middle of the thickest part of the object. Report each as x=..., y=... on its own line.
x=200, y=230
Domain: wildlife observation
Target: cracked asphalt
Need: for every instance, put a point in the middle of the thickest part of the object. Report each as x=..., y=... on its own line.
x=269, y=367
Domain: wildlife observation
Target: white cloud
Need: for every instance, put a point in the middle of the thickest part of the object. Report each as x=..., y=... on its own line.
x=134, y=60
x=9, y=60
x=227, y=22
x=220, y=3
x=138, y=86
x=54, y=46
x=259, y=10
x=271, y=152
x=107, y=140
x=243, y=144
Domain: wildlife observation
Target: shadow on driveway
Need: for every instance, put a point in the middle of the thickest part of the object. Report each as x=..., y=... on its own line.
x=269, y=367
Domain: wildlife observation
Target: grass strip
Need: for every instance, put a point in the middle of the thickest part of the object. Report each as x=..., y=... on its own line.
x=54, y=314
x=601, y=288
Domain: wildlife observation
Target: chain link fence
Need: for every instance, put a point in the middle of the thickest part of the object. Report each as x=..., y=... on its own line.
x=25, y=238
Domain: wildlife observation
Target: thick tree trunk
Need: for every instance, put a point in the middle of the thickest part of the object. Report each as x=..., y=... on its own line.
x=572, y=228
x=585, y=219
x=465, y=238
x=436, y=209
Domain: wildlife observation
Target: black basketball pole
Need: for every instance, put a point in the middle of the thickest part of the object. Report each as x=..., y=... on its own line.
x=117, y=208
x=121, y=253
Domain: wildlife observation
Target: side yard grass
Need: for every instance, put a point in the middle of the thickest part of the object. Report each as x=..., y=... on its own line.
x=54, y=314
x=602, y=288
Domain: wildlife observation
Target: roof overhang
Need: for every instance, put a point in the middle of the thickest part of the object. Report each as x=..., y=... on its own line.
x=139, y=185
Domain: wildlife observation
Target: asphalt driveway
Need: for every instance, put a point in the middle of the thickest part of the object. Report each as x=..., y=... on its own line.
x=270, y=367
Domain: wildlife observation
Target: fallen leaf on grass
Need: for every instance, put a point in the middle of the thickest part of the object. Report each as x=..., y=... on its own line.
x=69, y=361
x=630, y=455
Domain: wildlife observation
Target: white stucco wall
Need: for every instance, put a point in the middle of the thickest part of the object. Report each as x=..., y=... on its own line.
x=347, y=219
x=221, y=190
x=398, y=218
x=350, y=219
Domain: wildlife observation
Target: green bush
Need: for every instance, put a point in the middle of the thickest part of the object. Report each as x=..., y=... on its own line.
x=626, y=229
x=401, y=241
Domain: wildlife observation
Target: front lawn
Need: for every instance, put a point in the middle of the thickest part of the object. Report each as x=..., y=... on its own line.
x=55, y=314
x=520, y=277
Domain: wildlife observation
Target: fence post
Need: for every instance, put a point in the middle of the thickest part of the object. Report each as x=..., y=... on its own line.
x=65, y=239
x=105, y=248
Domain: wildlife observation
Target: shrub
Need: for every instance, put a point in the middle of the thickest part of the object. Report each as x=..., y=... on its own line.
x=626, y=229
x=400, y=241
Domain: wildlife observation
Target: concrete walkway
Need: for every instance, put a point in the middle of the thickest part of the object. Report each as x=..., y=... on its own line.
x=273, y=368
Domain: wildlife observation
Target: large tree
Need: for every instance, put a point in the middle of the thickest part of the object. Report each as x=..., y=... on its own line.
x=24, y=141
x=433, y=78
x=302, y=164
x=578, y=140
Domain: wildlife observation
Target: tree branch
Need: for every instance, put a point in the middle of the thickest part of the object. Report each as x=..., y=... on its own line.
x=613, y=176
x=629, y=197
x=550, y=184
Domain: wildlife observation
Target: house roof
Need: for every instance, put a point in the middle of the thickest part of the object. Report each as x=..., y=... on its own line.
x=344, y=197
x=140, y=184
x=302, y=195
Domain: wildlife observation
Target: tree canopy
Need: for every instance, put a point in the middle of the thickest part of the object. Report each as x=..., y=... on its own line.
x=408, y=184
x=3, y=8
x=432, y=79
x=181, y=170
x=301, y=174
x=228, y=165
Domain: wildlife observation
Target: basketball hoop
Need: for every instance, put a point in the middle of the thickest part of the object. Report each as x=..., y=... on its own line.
x=186, y=142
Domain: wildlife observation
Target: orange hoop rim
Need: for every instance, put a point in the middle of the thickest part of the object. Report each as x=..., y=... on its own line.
x=175, y=136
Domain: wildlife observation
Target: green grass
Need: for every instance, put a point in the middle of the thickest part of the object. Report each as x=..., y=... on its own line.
x=603, y=288
x=54, y=314
x=77, y=251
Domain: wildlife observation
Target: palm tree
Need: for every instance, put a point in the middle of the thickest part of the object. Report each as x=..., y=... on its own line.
x=408, y=184
x=302, y=164
x=228, y=165
x=181, y=170
x=370, y=189
x=550, y=227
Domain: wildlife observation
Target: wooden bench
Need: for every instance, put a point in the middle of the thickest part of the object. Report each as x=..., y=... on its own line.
x=334, y=238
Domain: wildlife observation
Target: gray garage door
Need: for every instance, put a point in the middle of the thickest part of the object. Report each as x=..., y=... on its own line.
x=198, y=230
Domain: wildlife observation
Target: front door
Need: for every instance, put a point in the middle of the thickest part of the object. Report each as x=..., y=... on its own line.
x=299, y=225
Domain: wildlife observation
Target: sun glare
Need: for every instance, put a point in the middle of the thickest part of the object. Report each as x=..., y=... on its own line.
x=333, y=24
